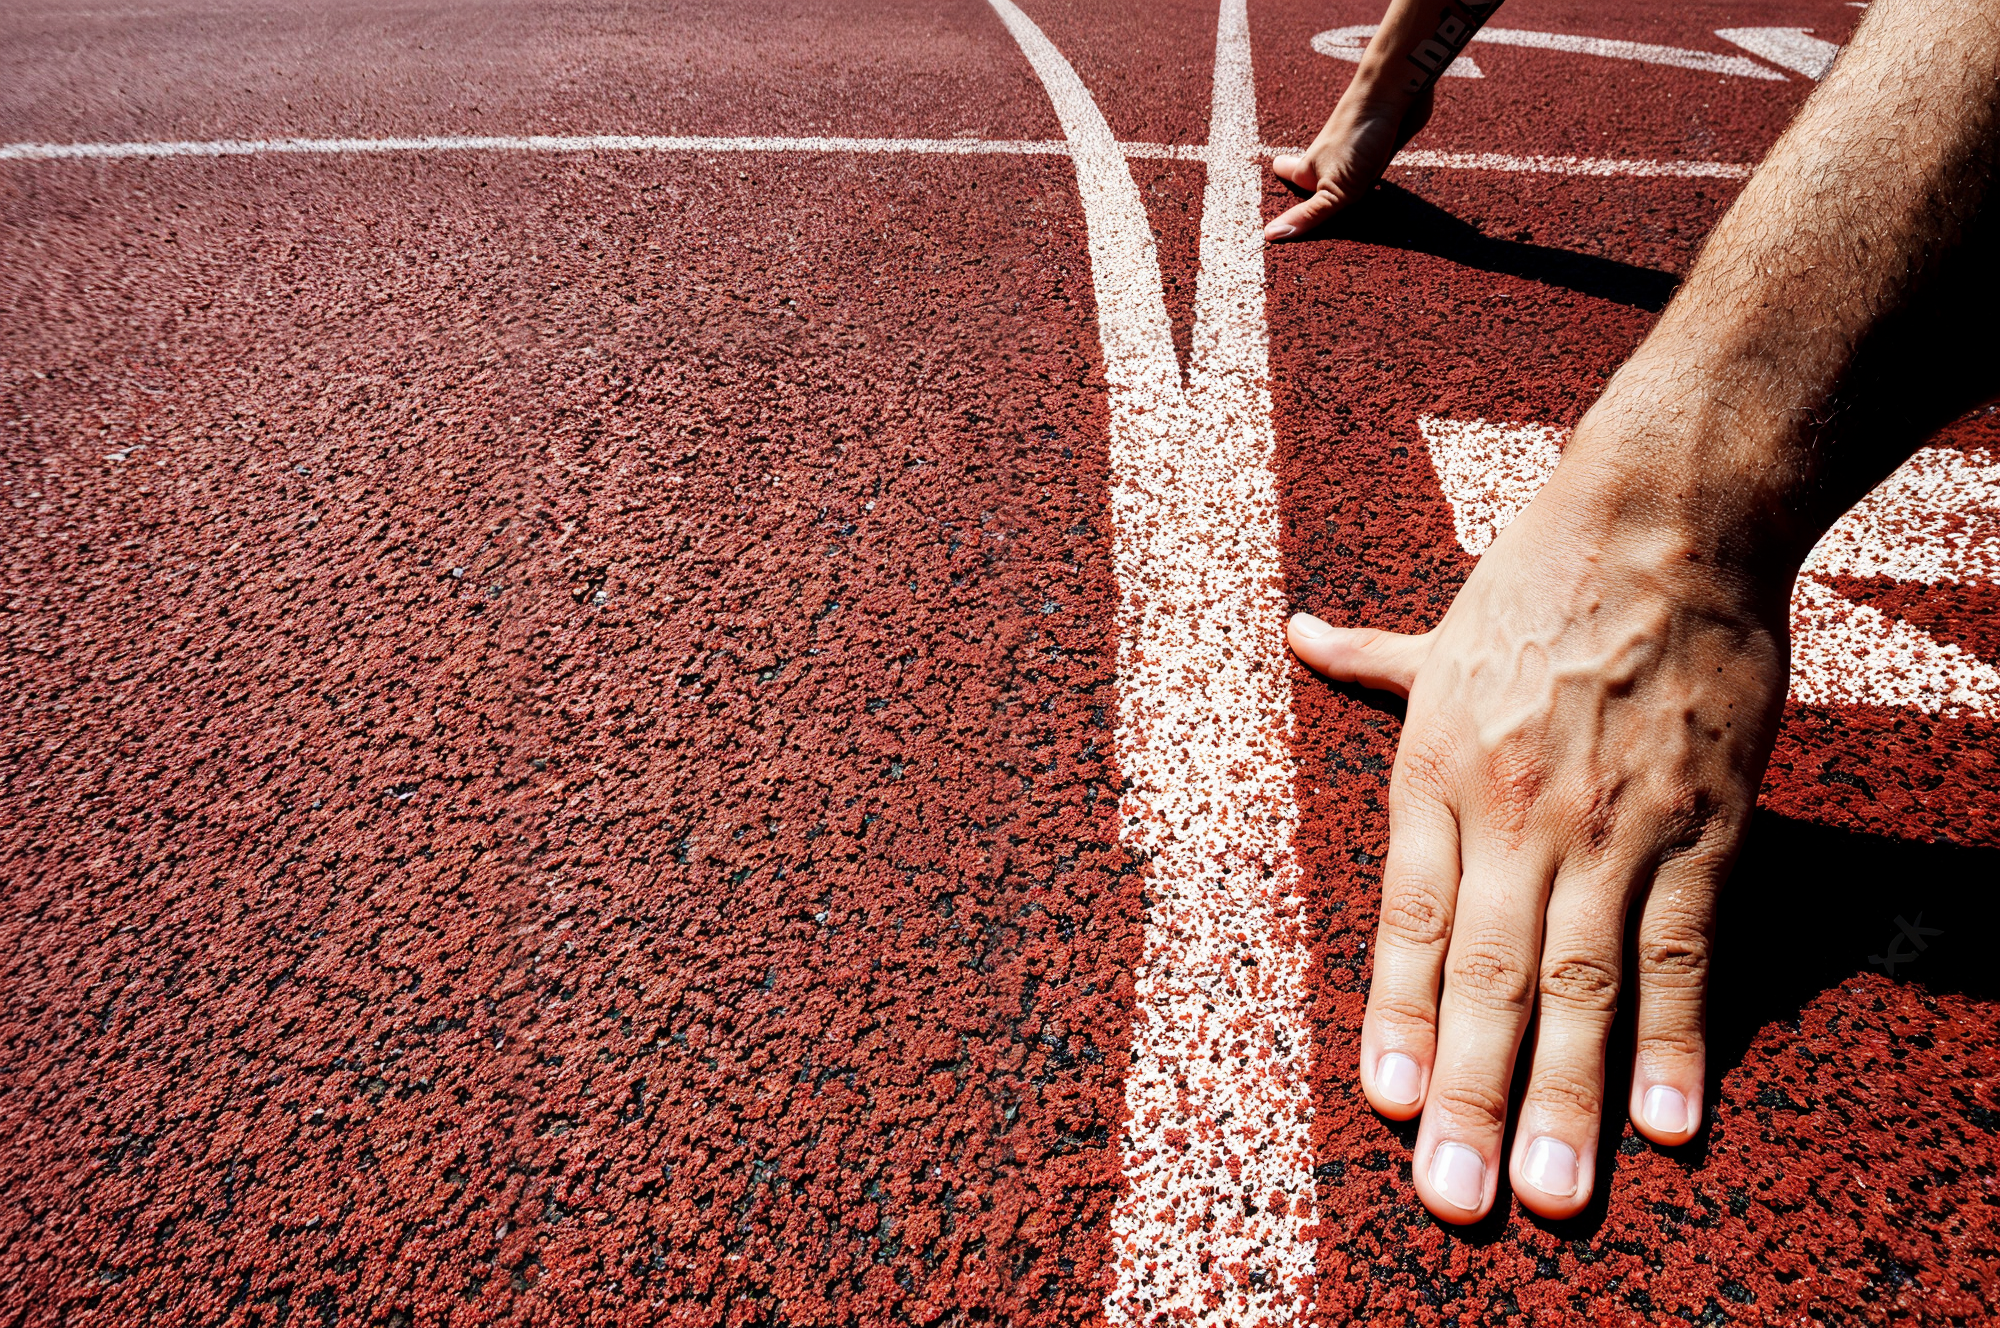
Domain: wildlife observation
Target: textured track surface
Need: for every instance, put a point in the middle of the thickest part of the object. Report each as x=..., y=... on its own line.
x=560, y=754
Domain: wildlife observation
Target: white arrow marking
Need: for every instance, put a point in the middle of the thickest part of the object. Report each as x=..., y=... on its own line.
x=1937, y=518
x=1794, y=48
x=1348, y=43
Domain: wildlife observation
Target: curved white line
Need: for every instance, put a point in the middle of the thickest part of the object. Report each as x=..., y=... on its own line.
x=1350, y=42
x=1131, y=307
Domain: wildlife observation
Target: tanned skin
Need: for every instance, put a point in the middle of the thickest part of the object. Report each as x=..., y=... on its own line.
x=1589, y=724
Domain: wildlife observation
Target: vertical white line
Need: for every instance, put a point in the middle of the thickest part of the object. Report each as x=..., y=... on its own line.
x=1217, y=1156
x=1218, y=1152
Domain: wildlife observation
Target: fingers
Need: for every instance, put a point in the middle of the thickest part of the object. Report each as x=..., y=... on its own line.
x=1555, y=1140
x=1489, y=992
x=1676, y=931
x=1561, y=1119
x=1345, y=162
x=1303, y=218
x=1419, y=892
x=1386, y=661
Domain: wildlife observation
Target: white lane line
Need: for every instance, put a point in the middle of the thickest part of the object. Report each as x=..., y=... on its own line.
x=257, y=147
x=1217, y=1153
x=1213, y=1229
x=1792, y=48
x=1936, y=519
x=1499, y=161
x=1348, y=43
x=950, y=147
x=1132, y=320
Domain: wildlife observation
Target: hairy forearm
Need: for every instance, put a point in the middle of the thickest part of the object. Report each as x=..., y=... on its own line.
x=1840, y=311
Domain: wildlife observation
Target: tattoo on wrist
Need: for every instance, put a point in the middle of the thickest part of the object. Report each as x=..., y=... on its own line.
x=1434, y=54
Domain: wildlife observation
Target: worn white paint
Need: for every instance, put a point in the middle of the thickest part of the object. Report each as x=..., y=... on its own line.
x=1349, y=42
x=1845, y=653
x=1217, y=1156
x=1791, y=48
x=1489, y=471
x=1502, y=161
x=1936, y=519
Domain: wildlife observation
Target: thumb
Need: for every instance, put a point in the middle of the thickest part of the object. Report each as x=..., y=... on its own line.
x=1385, y=661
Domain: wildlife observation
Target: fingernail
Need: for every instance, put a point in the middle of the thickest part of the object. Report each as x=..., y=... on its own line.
x=1551, y=1167
x=1666, y=1109
x=1280, y=231
x=1313, y=629
x=1459, y=1175
x=1396, y=1075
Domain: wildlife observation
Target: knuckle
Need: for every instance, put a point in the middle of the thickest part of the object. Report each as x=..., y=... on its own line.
x=1473, y=1104
x=1700, y=826
x=1414, y=1019
x=1416, y=917
x=1492, y=973
x=1673, y=962
x=1581, y=983
x=1565, y=1093
x=1425, y=773
x=1657, y=1046
x=1514, y=780
x=1591, y=811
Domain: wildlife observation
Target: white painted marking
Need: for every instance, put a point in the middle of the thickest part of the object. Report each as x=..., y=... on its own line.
x=1706, y=62
x=1489, y=472
x=1498, y=161
x=950, y=147
x=1348, y=43
x=1845, y=653
x=1936, y=519
x=1217, y=1155
x=1793, y=48
x=257, y=147
x=1131, y=307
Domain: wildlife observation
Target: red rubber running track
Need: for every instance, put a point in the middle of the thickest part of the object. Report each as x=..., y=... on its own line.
x=578, y=742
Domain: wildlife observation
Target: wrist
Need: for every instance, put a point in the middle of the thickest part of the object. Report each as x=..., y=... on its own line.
x=1695, y=448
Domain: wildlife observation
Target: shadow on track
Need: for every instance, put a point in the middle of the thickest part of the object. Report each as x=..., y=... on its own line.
x=1395, y=218
x=1808, y=907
